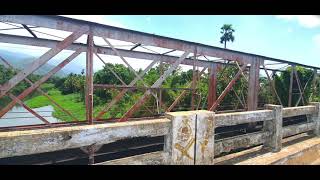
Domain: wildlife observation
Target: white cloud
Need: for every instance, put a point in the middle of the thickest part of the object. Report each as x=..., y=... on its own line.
x=290, y=30
x=307, y=21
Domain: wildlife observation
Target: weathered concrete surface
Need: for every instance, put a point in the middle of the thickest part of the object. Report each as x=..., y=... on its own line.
x=315, y=117
x=303, y=153
x=181, y=140
x=229, y=119
x=244, y=141
x=17, y=143
x=297, y=111
x=297, y=129
x=205, y=145
x=274, y=128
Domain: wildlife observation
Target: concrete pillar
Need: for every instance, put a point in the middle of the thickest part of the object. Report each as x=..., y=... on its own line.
x=191, y=138
x=274, y=128
x=179, y=143
x=316, y=118
x=205, y=124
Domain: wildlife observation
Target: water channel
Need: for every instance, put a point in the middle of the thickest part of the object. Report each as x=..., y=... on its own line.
x=18, y=116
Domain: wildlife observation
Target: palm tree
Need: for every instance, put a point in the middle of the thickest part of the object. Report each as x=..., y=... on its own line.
x=226, y=31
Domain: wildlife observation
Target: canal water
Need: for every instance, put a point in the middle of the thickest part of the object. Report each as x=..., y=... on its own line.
x=18, y=116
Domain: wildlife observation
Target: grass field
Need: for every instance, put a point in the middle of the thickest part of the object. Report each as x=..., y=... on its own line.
x=70, y=102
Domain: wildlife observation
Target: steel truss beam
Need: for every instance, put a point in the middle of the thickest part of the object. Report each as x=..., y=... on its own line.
x=299, y=85
x=89, y=78
x=13, y=39
x=39, y=82
x=71, y=25
x=182, y=93
x=304, y=88
x=36, y=64
x=122, y=93
x=227, y=89
x=147, y=94
x=129, y=66
x=41, y=91
x=272, y=85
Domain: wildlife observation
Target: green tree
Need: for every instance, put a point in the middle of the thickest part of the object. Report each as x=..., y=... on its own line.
x=282, y=83
x=226, y=31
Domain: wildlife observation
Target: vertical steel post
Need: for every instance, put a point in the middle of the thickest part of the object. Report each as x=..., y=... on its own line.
x=253, y=87
x=89, y=79
x=194, y=80
x=273, y=76
x=212, y=92
x=290, y=86
x=160, y=90
x=314, y=83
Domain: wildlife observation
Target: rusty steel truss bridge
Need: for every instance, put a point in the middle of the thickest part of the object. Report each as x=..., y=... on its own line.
x=200, y=58
x=191, y=56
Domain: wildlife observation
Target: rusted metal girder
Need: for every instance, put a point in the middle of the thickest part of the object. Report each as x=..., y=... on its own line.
x=228, y=88
x=146, y=95
x=13, y=39
x=299, y=85
x=272, y=85
x=69, y=24
x=243, y=75
x=29, y=30
x=36, y=64
x=304, y=88
x=212, y=91
x=122, y=93
x=253, y=86
x=89, y=78
x=194, y=79
x=41, y=92
x=129, y=66
x=182, y=93
x=110, y=69
x=160, y=90
x=314, y=84
x=239, y=99
x=290, y=86
x=112, y=86
x=39, y=82
x=14, y=98
x=232, y=89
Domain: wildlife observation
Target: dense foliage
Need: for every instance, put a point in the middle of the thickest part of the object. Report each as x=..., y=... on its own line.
x=73, y=85
x=6, y=74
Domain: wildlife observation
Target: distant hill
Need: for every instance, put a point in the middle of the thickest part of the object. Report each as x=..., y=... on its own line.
x=20, y=60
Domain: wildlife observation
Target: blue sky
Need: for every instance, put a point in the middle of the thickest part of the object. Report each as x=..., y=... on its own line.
x=283, y=37
x=292, y=38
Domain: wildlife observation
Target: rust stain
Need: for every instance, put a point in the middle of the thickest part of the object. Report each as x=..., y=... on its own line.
x=207, y=134
x=184, y=150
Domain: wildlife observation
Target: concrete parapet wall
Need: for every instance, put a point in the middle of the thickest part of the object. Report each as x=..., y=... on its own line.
x=189, y=135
